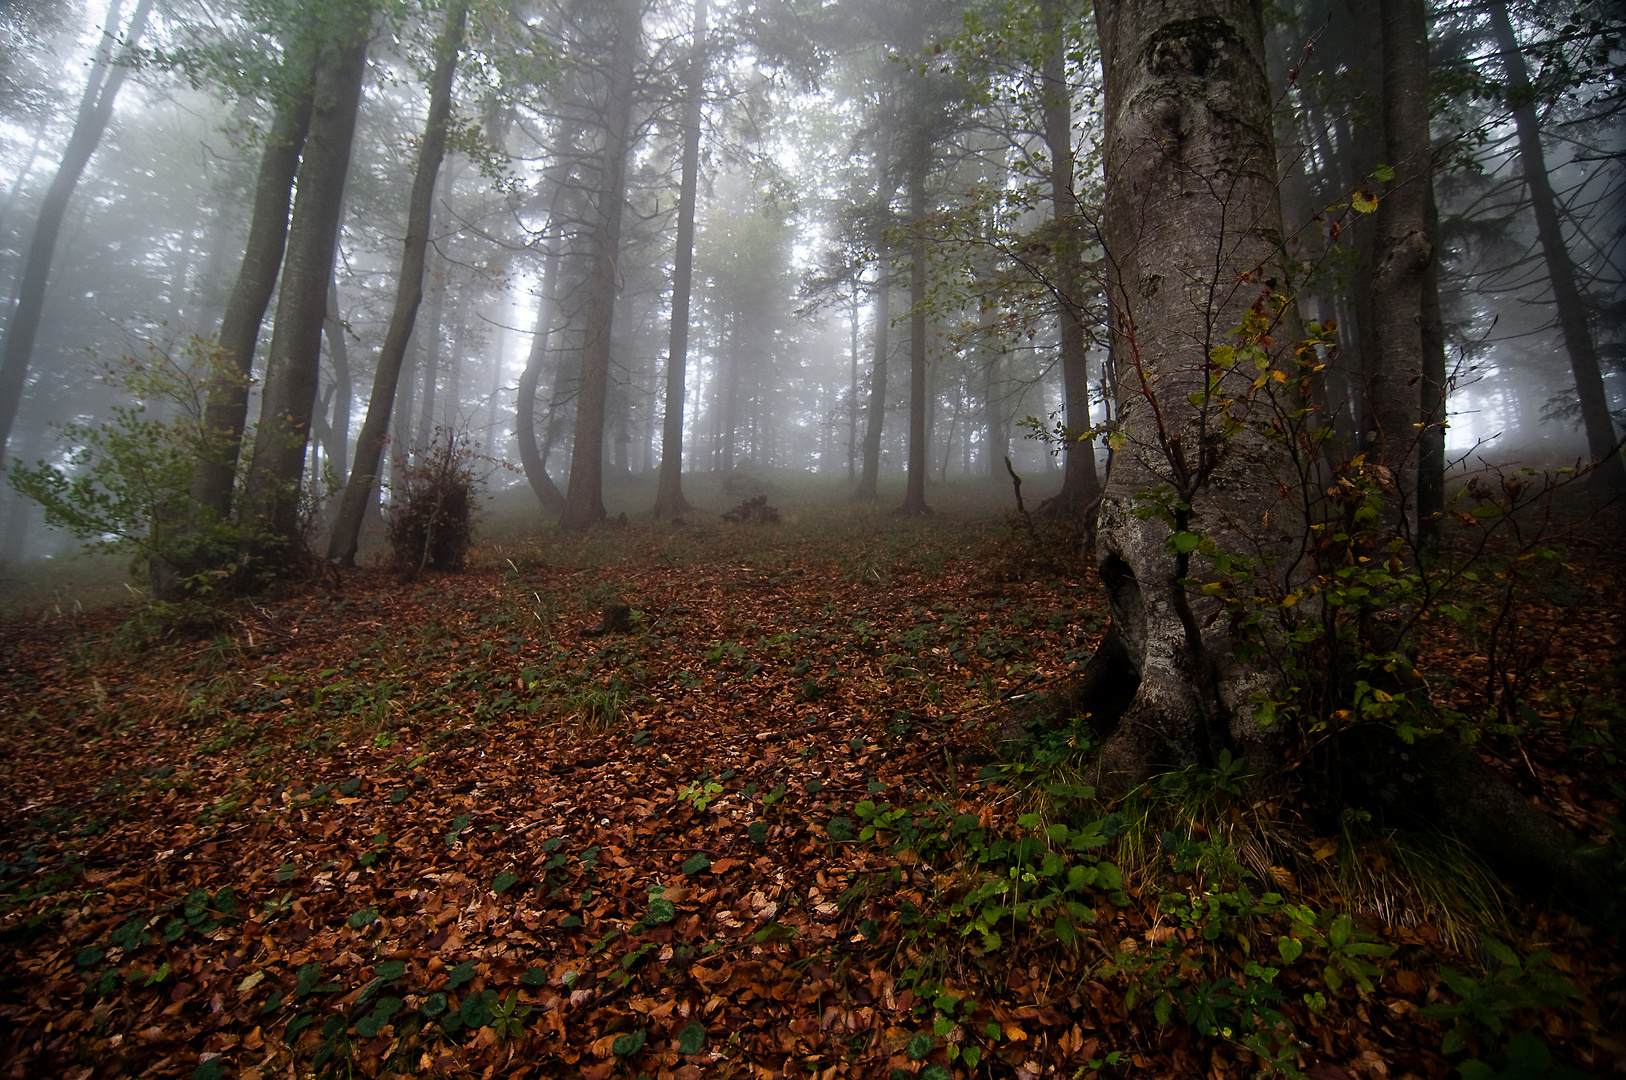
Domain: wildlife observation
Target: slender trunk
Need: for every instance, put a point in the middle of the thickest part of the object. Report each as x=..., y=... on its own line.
x=1434, y=384
x=669, y=500
x=363, y=480
x=334, y=445
x=95, y=108
x=876, y=412
x=531, y=459
x=1079, y=485
x=1603, y=439
x=919, y=449
x=226, y=397
x=293, y=362
x=1404, y=251
x=584, y=497
x=852, y=391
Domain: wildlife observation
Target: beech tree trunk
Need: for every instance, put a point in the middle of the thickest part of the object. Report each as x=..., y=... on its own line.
x=532, y=458
x=95, y=109
x=669, y=500
x=875, y=411
x=226, y=398
x=293, y=364
x=584, y=496
x=1193, y=239
x=1603, y=440
x=363, y=481
x=914, y=496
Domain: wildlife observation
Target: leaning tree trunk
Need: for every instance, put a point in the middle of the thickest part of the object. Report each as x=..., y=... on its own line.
x=363, y=480
x=669, y=500
x=225, y=409
x=1192, y=236
x=584, y=495
x=1079, y=483
x=95, y=109
x=1602, y=439
x=293, y=363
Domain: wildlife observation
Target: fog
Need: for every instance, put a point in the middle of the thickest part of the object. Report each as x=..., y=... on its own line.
x=869, y=178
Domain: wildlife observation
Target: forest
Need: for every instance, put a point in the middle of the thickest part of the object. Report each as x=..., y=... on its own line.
x=836, y=538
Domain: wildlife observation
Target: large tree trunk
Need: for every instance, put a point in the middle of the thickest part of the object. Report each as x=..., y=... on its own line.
x=293, y=362
x=95, y=108
x=919, y=449
x=669, y=500
x=1602, y=438
x=1404, y=252
x=363, y=480
x=226, y=398
x=584, y=496
x=1192, y=237
x=1079, y=484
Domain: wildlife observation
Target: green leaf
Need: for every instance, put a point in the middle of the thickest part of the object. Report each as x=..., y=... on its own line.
x=350, y=786
x=661, y=910
x=935, y=1072
x=839, y=828
x=1383, y=173
x=696, y=863
x=692, y=1039
x=504, y=882
x=1290, y=948
x=434, y=1005
x=774, y=932
x=390, y=970
x=920, y=1046
x=309, y=975
x=89, y=955
x=627, y=1045
x=460, y=974
x=534, y=977
x=363, y=918
x=757, y=832
x=1185, y=543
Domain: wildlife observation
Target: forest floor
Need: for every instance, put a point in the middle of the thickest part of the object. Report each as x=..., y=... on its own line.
x=447, y=827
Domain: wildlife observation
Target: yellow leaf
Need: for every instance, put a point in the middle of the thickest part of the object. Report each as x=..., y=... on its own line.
x=1364, y=201
x=1290, y=599
x=1279, y=375
x=251, y=981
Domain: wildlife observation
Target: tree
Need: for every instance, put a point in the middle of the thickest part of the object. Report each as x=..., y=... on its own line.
x=1603, y=440
x=107, y=75
x=584, y=496
x=370, y=443
x=669, y=500
x=293, y=362
x=1193, y=241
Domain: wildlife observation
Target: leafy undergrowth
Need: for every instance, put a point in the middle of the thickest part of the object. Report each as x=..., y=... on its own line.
x=459, y=827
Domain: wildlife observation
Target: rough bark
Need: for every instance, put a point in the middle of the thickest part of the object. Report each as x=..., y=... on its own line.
x=584, y=496
x=1603, y=440
x=95, y=108
x=1404, y=251
x=370, y=443
x=1079, y=484
x=293, y=361
x=1193, y=242
x=669, y=500
x=226, y=397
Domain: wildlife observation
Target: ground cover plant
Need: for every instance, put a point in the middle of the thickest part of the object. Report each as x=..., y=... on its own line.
x=778, y=820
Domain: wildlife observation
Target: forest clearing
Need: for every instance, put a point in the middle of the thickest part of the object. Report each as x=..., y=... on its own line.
x=447, y=827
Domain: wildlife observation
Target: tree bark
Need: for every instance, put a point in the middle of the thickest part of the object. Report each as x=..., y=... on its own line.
x=1603, y=440
x=363, y=480
x=293, y=362
x=1079, y=484
x=532, y=459
x=669, y=500
x=95, y=108
x=1434, y=384
x=919, y=449
x=1403, y=253
x=1193, y=243
x=584, y=496
x=338, y=349
x=875, y=411
x=225, y=410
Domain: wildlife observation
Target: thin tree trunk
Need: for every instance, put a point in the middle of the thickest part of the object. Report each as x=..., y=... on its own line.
x=1079, y=485
x=363, y=480
x=584, y=497
x=293, y=362
x=531, y=459
x=669, y=500
x=1431, y=438
x=919, y=449
x=1603, y=440
x=95, y=108
x=334, y=445
x=876, y=411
